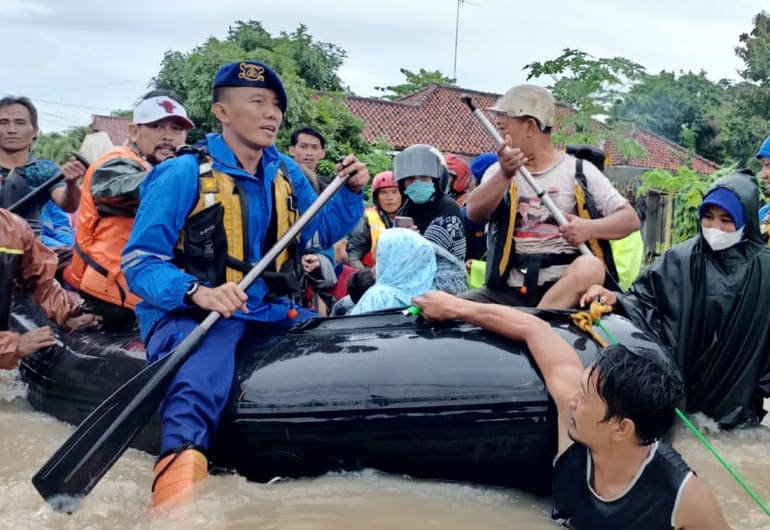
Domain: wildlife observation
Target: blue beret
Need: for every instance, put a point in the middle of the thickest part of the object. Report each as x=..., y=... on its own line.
x=253, y=74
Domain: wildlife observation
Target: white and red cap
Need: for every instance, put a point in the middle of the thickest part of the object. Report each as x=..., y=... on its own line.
x=159, y=108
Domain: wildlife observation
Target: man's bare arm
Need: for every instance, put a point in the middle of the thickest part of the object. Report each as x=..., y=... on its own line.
x=558, y=362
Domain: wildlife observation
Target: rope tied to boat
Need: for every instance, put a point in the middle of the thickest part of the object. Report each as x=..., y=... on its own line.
x=585, y=320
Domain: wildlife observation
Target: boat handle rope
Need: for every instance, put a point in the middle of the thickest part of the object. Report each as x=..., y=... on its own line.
x=585, y=320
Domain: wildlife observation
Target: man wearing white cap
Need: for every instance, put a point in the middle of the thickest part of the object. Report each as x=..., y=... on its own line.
x=532, y=260
x=110, y=198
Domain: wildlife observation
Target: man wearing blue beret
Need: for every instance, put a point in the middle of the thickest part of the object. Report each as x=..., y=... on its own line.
x=204, y=217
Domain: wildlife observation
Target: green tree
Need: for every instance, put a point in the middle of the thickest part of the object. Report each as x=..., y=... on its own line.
x=308, y=70
x=415, y=81
x=680, y=108
x=59, y=146
x=745, y=122
x=754, y=51
x=746, y=115
x=688, y=189
x=589, y=86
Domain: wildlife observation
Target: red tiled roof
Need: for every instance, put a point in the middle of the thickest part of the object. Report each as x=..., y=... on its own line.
x=115, y=127
x=660, y=153
x=435, y=115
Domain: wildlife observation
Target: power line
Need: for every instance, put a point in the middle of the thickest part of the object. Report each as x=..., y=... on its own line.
x=74, y=105
x=57, y=121
x=44, y=113
x=89, y=87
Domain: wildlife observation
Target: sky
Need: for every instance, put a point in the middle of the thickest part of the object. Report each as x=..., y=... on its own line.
x=76, y=58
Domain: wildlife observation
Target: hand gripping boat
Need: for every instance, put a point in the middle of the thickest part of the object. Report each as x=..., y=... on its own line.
x=385, y=391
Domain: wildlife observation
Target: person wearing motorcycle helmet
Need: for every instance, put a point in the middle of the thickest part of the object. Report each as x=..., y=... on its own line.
x=387, y=201
x=418, y=171
x=458, y=182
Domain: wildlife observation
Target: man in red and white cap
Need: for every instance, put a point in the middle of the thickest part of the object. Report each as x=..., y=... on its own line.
x=110, y=198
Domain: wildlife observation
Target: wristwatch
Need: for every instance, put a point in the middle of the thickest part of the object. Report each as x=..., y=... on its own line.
x=191, y=290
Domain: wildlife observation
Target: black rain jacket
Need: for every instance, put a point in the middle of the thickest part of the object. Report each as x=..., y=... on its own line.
x=712, y=310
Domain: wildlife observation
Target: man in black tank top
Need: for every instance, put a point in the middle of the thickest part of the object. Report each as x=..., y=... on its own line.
x=611, y=471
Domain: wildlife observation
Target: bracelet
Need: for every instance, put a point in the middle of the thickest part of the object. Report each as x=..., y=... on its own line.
x=194, y=285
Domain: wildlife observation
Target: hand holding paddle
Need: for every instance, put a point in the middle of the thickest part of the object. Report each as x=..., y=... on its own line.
x=78, y=465
x=542, y=195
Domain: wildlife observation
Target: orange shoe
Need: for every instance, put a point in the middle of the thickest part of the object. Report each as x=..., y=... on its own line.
x=175, y=475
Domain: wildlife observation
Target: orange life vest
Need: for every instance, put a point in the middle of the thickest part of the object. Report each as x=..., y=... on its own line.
x=376, y=226
x=99, y=241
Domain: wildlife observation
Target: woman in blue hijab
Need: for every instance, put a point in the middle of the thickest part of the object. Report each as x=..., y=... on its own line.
x=406, y=267
x=706, y=300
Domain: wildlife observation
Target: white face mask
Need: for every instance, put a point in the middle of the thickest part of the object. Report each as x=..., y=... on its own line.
x=719, y=240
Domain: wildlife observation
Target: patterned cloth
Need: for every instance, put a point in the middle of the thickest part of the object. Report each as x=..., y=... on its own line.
x=447, y=235
x=448, y=232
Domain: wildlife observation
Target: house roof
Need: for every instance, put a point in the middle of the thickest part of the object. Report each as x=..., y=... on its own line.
x=435, y=115
x=660, y=153
x=115, y=127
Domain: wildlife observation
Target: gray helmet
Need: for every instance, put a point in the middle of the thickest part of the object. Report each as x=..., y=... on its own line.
x=419, y=160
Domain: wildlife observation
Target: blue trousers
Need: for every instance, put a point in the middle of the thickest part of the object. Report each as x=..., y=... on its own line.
x=196, y=397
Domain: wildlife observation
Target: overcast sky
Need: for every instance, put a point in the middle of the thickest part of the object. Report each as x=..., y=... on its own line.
x=75, y=58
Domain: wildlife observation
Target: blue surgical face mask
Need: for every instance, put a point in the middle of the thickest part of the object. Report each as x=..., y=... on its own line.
x=420, y=192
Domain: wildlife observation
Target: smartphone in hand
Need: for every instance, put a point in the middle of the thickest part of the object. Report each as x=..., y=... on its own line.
x=403, y=222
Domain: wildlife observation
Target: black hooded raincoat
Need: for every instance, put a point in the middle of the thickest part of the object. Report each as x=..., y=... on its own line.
x=712, y=309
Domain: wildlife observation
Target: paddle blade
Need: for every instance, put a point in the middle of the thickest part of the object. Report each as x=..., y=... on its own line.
x=79, y=464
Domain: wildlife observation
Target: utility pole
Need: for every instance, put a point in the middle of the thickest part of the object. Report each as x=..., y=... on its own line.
x=457, y=33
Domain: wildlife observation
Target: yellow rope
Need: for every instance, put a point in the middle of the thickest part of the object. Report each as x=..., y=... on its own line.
x=584, y=320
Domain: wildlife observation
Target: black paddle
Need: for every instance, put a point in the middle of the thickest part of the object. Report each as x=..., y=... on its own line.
x=33, y=195
x=73, y=471
x=93, y=146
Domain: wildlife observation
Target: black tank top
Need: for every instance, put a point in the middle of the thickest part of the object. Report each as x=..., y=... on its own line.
x=647, y=504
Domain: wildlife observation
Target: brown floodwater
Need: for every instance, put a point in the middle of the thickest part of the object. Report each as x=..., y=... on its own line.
x=366, y=499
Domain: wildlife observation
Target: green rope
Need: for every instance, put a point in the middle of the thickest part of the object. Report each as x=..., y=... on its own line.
x=705, y=442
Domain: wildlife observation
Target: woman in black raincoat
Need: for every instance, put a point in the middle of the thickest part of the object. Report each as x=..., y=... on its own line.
x=711, y=308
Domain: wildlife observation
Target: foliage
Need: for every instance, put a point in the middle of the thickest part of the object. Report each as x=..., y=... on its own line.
x=379, y=159
x=744, y=121
x=306, y=67
x=59, y=146
x=754, y=51
x=340, y=128
x=746, y=116
x=680, y=108
x=125, y=114
x=415, y=81
x=688, y=189
x=589, y=86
